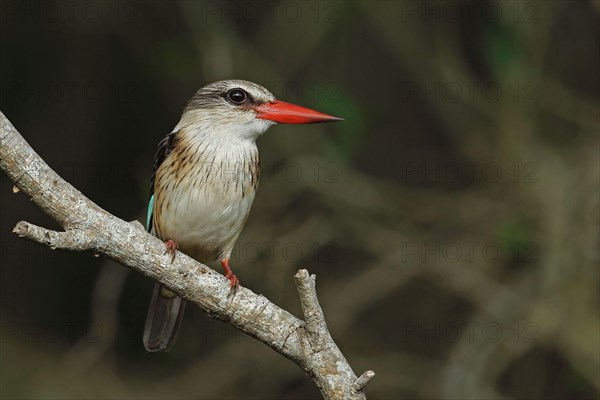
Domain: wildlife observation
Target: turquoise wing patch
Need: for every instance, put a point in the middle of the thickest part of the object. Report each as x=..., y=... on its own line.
x=150, y=212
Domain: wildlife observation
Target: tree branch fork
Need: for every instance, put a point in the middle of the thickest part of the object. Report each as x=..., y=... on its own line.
x=86, y=226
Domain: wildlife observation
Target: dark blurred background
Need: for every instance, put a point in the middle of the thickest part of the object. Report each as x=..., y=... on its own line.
x=452, y=219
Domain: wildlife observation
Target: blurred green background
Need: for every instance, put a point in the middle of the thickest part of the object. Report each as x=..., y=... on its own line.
x=452, y=219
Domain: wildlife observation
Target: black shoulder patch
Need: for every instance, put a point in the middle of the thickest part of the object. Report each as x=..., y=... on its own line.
x=164, y=149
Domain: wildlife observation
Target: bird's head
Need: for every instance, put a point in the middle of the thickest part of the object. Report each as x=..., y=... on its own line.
x=243, y=109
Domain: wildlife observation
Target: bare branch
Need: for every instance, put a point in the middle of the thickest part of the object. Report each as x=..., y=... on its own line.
x=89, y=227
x=316, y=327
x=74, y=239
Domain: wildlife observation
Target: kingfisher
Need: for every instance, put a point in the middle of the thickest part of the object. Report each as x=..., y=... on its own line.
x=204, y=181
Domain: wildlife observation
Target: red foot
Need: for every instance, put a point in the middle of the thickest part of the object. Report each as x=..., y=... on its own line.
x=171, y=248
x=234, y=282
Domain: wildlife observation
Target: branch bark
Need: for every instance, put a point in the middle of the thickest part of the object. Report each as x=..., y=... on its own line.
x=89, y=227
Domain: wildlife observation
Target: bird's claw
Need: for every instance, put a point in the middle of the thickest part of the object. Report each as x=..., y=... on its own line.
x=171, y=248
x=234, y=282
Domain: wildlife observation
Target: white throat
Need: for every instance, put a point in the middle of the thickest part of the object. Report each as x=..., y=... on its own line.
x=223, y=127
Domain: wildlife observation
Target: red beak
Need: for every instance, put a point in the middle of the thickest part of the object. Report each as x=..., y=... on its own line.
x=287, y=113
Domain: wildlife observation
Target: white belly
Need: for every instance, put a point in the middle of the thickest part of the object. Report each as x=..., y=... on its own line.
x=205, y=223
x=205, y=211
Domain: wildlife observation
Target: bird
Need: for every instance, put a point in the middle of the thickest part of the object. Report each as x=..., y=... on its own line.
x=204, y=181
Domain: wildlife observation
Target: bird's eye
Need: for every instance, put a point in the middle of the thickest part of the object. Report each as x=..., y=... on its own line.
x=237, y=96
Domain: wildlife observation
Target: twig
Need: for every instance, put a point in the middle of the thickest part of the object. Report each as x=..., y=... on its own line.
x=89, y=227
x=316, y=327
x=361, y=382
x=74, y=239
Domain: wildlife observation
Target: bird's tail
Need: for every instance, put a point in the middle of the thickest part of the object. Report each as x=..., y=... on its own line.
x=164, y=319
